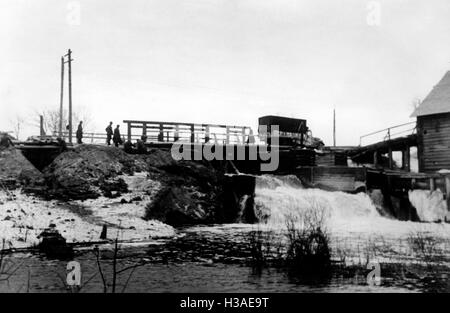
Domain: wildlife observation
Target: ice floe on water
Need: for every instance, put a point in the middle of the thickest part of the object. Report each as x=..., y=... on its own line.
x=430, y=205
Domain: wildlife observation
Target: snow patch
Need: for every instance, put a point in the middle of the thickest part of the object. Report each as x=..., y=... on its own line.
x=24, y=217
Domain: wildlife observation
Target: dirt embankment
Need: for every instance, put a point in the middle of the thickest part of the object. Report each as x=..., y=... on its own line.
x=17, y=171
x=88, y=172
x=187, y=192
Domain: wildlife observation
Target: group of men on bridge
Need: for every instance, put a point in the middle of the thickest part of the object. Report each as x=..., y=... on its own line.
x=117, y=139
x=110, y=134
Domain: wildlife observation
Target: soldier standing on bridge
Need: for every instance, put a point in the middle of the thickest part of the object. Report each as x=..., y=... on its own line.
x=116, y=137
x=109, y=133
x=80, y=133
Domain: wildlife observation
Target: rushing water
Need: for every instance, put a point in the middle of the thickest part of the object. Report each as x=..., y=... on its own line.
x=217, y=258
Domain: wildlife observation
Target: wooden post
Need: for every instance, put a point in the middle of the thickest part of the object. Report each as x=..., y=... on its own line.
x=177, y=135
x=432, y=184
x=243, y=135
x=104, y=232
x=69, y=54
x=227, y=141
x=41, y=126
x=207, y=134
x=61, y=99
x=375, y=158
x=192, y=133
x=129, y=131
x=334, y=127
x=447, y=191
x=406, y=159
x=144, y=130
x=161, y=132
x=389, y=183
x=391, y=161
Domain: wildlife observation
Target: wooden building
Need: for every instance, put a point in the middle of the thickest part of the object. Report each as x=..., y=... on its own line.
x=433, y=128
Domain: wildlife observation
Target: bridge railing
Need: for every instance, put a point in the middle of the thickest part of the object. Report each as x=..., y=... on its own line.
x=187, y=132
x=167, y=132
x=88, y=137
x=389, y=133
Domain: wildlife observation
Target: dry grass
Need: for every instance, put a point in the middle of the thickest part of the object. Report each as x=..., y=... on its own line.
x=424, y=246
x=305, y=248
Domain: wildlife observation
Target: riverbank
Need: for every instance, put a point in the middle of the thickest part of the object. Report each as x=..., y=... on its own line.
x=23, y=216
x=138, y=197
x=91, y=186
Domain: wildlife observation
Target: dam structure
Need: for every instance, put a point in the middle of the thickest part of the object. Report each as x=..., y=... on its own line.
x=384, y=166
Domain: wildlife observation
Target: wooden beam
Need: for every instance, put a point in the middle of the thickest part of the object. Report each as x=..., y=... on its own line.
x=176, y=123
x=432, y=184
x=61, y=117
x=207, y=134
x=406, y=159
x=129, y=131
x=176, y=136
x=69, y=61
x=447, y=191
x=391, y=161
x=161, y=132
x=41, y=126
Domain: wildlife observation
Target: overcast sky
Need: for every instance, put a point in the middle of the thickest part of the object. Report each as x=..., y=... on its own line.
x=225, y=61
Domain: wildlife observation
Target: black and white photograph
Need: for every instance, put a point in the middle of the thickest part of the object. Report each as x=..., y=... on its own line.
x=241, y=148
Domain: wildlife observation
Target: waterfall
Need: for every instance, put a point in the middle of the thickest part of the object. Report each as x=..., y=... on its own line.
x=280, y=197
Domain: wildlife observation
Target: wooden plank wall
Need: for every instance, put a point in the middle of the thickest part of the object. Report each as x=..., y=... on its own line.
x=338, y=178
x=326, y=159
x=434, y=142
x=331, y=158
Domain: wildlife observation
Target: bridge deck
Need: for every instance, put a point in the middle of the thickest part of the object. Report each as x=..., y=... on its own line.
x=373, y=153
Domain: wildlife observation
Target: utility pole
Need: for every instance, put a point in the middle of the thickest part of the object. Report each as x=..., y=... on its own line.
x=69, y=55
x=334, y=127
x=41, y=126
x=61, y=99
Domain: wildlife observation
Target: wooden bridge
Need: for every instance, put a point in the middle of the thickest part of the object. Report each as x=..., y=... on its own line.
x=156, y=131
x=170, y=132
x=396, y=138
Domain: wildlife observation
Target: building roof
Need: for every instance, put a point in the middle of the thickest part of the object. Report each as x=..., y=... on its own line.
x=438, y=100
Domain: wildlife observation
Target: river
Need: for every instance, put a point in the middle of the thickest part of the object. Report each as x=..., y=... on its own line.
x=412, y=257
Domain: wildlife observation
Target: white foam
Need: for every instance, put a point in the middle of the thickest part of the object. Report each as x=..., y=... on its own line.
x=430, y=206
x=344, y=213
